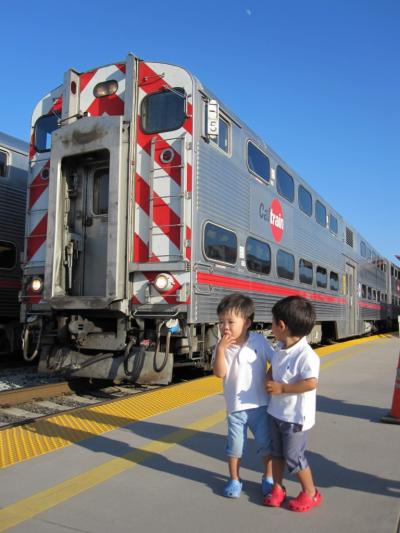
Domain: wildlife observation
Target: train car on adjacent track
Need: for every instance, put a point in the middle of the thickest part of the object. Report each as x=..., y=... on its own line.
x=149, y=200
x=13, y=179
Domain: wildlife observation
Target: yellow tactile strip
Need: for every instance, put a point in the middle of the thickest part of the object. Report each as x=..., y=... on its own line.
x=43, y=436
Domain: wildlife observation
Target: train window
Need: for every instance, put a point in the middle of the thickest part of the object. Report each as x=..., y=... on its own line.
x=374, y=295
x=284, y=184
x=100, y=191
x=163, y=111
x=222, y=140
x=378, y=296
x=349, y=237
x=322, y=277
x=3, y=163
x=305, y=271
x=43, y=129
x=285, y=265
x=320, y=213
x=258, y=256
x=363, y=291
x=305, y=201
x=333, y=224
x=8, y=255
x=369, y=293
x=334, y=281
x=220, y=244
x=258, y=162
x=363, y=249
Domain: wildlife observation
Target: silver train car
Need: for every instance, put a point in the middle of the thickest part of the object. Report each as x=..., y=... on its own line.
x=153, y=201
x=13, y=180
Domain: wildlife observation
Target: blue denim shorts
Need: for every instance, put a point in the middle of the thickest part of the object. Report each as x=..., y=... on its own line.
x=288, y=443
x=238, y=422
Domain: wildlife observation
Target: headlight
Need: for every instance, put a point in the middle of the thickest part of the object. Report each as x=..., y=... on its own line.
x=105, y=88
x=163, y=282
x=36, y=284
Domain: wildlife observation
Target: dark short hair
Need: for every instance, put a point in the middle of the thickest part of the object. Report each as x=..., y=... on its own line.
x=297, y=313
x=237, y=302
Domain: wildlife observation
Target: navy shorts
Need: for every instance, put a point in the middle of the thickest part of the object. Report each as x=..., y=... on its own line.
x=288, y=443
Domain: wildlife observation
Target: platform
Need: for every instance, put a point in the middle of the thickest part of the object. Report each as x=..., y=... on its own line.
x=156, y=461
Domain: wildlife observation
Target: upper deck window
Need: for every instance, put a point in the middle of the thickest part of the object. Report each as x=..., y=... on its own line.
x=363, y=249
x=163, y=111
x=258, y=162
x=305, y=201
x=8, y=255
x=44, y=127
x=333, y=224
x=284, y=184
x=3, y=163
x=320, y=213
x=222, y=140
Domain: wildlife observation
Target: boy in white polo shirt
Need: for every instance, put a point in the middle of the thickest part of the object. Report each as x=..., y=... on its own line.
x=240, y=359
x=291, y=381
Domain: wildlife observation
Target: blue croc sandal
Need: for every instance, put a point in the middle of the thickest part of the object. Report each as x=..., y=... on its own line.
x=266, y=486
x=233, y=488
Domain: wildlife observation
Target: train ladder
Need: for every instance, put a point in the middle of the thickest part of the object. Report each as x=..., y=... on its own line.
x=163, y=179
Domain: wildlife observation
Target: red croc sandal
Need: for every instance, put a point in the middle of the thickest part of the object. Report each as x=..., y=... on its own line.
x=304, y=502
x=276, y=497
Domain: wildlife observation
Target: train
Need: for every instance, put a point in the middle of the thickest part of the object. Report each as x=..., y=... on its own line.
x=150, y=200
x=13, y=183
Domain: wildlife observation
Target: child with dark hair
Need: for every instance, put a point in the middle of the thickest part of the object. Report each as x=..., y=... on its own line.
x=292, y=381
x=240, y=359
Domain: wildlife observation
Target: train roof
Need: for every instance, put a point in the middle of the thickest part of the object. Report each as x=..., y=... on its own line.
x=12, y=143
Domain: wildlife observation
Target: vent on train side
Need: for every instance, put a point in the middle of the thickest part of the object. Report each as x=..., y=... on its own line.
x=349, y=237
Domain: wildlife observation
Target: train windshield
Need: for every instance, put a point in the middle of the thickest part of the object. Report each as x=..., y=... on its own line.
x=164, y=111
x=44, y=127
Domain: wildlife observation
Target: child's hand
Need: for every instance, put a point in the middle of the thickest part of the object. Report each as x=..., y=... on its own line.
x=273, y=387
x=226, y=341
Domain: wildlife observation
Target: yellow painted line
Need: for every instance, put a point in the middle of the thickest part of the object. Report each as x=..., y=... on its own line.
x=27, y=508
x=50, y=434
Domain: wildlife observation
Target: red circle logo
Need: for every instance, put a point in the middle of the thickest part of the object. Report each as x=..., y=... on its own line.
x=276, y=219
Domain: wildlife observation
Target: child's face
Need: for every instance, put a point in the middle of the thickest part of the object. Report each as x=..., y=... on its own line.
x=278, y=329
x=234, y=324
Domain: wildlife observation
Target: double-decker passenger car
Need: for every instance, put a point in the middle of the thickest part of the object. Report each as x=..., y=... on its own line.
x=13, y=178
x=152, y=201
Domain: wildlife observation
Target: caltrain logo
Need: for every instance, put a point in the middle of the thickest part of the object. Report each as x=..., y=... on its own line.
x=276, y=219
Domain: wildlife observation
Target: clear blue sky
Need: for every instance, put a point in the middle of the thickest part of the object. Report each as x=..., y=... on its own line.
x=319, y=80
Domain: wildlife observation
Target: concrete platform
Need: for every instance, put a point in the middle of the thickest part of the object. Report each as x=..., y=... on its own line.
x=167, y=472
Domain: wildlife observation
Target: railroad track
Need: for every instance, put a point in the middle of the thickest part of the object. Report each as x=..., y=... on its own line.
x=26, y=404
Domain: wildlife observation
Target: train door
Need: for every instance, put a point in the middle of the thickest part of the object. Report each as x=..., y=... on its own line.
x=351, y=297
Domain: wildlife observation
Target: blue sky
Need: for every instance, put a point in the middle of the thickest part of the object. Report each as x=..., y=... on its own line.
x=319, y=80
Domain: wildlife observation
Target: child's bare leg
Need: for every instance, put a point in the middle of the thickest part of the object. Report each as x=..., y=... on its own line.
x=306, y=480
x=278, y=468
x=234, y=466
x=267, y=466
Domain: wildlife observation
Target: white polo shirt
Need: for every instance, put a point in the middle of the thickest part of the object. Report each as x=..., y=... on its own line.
x=244, y=382
x=289, y=366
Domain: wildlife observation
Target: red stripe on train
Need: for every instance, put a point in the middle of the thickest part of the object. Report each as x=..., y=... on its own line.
x=255, y=286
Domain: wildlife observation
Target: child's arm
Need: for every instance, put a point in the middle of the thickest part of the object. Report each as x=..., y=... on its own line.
x=220, y=367
x=304, y=385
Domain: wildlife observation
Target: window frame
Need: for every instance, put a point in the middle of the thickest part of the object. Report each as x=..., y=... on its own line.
x=6, y=163
x=277, y=265
x=319, y=267
x=312, y=271
x=14, y=246
x=317, y=208
x=270, y=256
x=165, y=91
x=249, y=141
x=298, y=200
x=213, y=259
x=41, y=118
x=286, y=173
x=213, y=141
